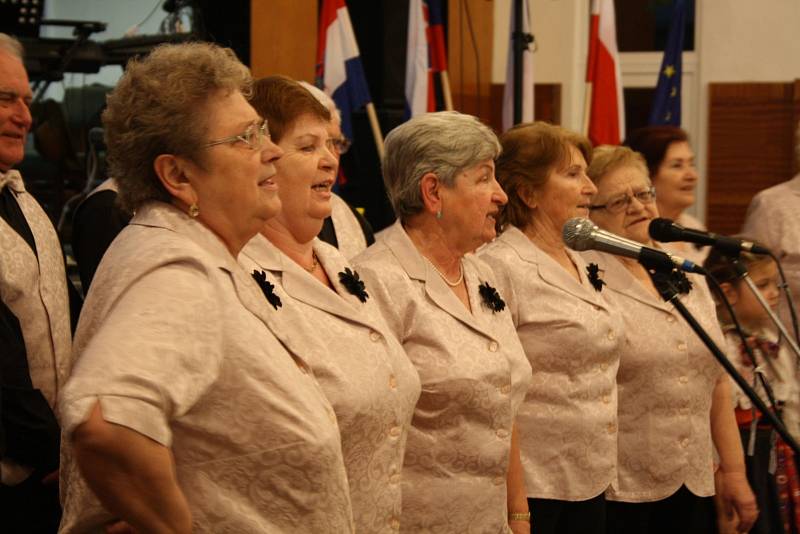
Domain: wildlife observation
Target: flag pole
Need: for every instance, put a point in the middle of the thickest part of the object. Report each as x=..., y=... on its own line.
x=376, y=129
x=587, y=108
x=448, y=96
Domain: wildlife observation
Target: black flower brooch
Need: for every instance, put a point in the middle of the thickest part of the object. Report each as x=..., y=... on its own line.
x=353, y=284
x=593, y=272
x=268, y=289
x=491, y=298
x=674, y=279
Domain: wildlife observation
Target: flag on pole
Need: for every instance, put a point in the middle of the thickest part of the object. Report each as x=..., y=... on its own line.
x=606, y=110
x=419, y=75
x=667, y=101
x=339, y=71
x=527, y=73
x=438, y=50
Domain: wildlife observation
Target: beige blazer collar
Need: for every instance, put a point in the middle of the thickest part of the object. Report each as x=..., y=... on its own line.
x=549, y=271
x=299, y=285
x=619, y=279
x=279, y=322
x=418, y=268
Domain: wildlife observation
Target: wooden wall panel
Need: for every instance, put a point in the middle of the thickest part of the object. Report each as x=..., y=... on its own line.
x=283, y=38
x=750, y=146
x=546, y=104
x=469, y=55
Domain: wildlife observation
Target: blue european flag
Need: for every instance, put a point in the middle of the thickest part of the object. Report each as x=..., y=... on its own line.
x=667, y=102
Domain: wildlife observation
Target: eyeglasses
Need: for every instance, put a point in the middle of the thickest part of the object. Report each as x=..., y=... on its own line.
x=341, y=144
x=254, y=137
x=621, y=203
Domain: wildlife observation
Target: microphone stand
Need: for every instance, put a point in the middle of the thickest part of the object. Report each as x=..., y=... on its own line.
x=669, y=293
x=781, y=328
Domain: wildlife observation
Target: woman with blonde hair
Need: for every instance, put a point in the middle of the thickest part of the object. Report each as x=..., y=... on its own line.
x=674, y=399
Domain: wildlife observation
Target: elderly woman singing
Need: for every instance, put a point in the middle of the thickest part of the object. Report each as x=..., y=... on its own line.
x=364, y=372
x=570, y=334
x=674, y=400
x=461, y=470
x=191, y=406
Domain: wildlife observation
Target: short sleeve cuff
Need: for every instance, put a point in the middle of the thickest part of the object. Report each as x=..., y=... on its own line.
x=135, y=414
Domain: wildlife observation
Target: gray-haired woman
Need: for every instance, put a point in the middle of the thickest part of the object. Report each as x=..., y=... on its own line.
x=190, y=408
x=462, y=471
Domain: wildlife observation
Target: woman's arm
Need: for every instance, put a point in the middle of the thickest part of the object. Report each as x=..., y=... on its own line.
x=515, y=482
x=736, y=492
x=132, y=475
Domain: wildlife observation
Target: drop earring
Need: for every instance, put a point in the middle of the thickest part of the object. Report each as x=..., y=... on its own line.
x=194, y=210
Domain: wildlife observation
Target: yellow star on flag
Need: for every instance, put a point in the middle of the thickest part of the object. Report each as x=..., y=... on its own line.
x=674, y=91
x=669, y=71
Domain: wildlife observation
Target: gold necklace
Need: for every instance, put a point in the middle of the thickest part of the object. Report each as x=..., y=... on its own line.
x=314, y=263
x=446, y=281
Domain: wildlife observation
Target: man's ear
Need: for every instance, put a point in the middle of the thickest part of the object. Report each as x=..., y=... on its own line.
x=172, y=172
x=430, y=189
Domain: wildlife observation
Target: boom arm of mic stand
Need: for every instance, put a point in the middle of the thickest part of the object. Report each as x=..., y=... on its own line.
x=670, y=294
x=781, y=328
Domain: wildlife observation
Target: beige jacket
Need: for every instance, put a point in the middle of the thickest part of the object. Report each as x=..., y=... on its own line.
x=568, y=422
x=364, y=372
x=474, y=376
x=666, y=381
x=179, y=344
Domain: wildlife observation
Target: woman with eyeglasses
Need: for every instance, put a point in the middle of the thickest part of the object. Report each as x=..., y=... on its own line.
x=671, y=165
x=346, y=229
x=362, y=368
x=674, y=399
x=191, y=405
x=570, y=334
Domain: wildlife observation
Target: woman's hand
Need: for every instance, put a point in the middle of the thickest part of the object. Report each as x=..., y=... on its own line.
x=520, y=527
x=738, y=497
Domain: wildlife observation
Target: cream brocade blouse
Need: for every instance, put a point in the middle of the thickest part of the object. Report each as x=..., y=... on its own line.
x=571, y=336
x=364, y=372
x=474, y=376
x=177, y=342
x=666, y=382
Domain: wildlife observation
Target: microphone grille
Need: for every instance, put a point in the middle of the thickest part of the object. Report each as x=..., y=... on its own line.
x=664, y=230
x=577, y=233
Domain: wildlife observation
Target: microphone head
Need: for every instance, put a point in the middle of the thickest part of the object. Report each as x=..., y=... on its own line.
x=665, y=230
x=577, y=233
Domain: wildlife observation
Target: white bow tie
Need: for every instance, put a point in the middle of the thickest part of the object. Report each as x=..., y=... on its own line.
x=13, y=179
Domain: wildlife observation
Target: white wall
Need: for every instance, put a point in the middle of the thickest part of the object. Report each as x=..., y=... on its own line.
x=560, y=28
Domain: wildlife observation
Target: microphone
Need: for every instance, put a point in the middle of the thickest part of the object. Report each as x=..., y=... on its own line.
x=582, y=234
x=665, y=230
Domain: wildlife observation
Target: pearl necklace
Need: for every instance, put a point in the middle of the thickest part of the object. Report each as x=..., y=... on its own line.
x=446, y=281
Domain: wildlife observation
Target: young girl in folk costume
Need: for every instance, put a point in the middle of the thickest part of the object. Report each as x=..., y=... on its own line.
x=771, y=468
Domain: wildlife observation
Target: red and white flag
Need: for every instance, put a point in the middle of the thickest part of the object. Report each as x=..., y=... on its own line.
x=606, y=109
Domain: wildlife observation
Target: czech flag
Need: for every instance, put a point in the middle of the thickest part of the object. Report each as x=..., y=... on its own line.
x=339, y=70
x=607, y=109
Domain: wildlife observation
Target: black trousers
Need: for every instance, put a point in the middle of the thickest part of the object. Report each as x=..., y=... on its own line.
x=30, y=507
x=549, y=516
x=682, y=512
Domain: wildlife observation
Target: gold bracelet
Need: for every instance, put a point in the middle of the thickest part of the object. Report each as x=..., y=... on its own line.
x=516, y=516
